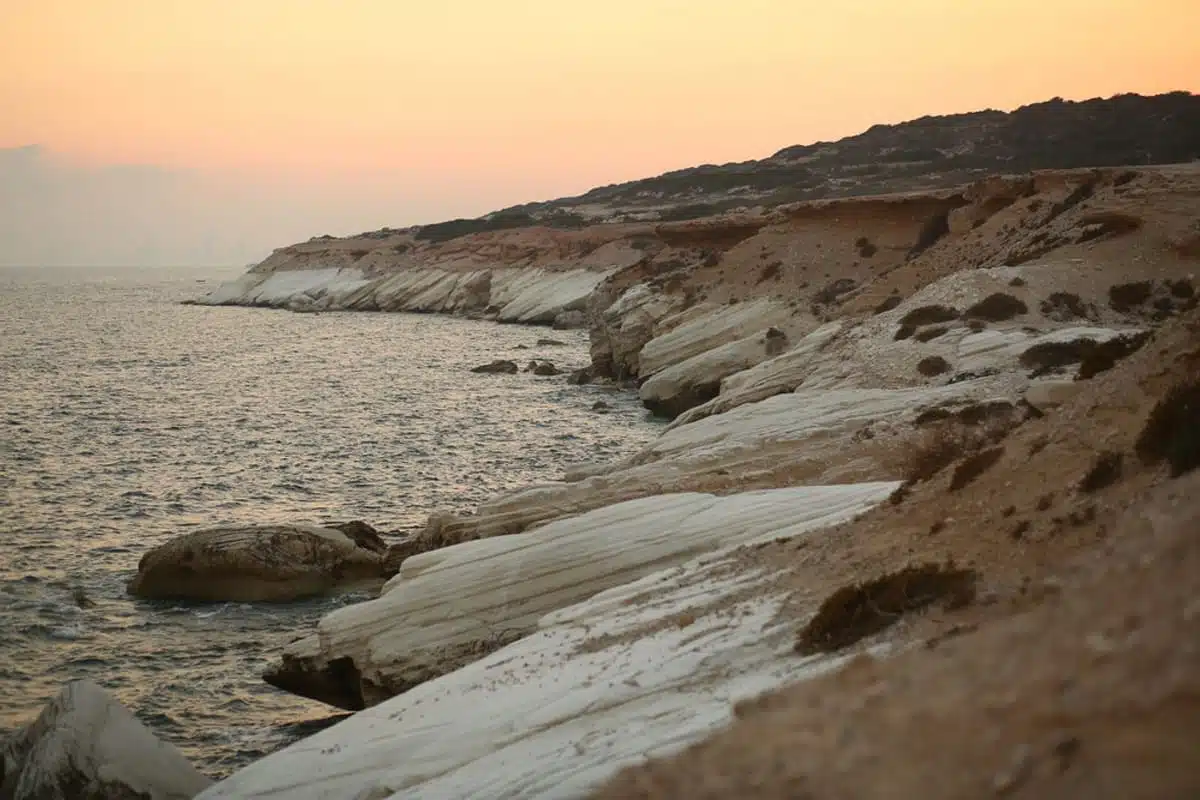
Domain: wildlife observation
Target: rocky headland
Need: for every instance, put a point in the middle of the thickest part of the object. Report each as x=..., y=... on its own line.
x=921, y=522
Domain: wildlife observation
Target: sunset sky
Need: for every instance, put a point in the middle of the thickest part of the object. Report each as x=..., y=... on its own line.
x=345, y=115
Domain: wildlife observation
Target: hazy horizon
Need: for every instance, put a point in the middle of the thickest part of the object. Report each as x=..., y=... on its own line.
x=212, y=131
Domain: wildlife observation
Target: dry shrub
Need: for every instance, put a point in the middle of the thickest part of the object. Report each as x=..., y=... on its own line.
x=1065, y=306
x=973, y=466
x=1047, y=356
x=933, y=365
x=929, y=315
x=1125, y=297
x=1181, y=288
x=996, y=307
x=1105, y=471
x=1172, y=431
x=1105, y=355
x=859, y=610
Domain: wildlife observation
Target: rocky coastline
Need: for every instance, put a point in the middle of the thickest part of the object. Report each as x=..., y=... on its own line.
x=906, y=429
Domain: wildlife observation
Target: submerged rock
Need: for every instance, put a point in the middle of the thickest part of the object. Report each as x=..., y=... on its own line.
x=546, y=368
x=268, y=563
x=501, y=366
x=85, y=744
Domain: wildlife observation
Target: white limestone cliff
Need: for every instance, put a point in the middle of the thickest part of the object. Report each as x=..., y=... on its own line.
x=523, y=295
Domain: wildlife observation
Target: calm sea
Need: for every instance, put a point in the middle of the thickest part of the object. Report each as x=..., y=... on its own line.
x=127, y=418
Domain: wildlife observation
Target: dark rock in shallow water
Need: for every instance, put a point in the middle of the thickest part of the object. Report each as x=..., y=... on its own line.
x=581, y=376
x=86, y=745
x=498, y=367
x=546, y=368
x=259, y=563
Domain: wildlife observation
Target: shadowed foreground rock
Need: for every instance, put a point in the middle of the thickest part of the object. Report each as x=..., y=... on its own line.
x=272, y=563
x=86, y=746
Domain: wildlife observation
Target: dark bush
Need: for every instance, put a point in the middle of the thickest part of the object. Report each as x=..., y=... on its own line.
x=933, y=365
x=1047, y=356
x=929, y=315
x=1182, y=289
x=1065, y=306
x=452, y=229
x=904, y=332
x=996, y=307
x=1105, y=355
x=1172, y=431
x=1126, y=297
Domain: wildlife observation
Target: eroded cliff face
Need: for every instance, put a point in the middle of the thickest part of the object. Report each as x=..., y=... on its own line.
x=964, y=374
x=811, y=346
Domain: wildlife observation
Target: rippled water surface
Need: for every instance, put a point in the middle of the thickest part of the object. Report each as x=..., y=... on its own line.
x=128, y=418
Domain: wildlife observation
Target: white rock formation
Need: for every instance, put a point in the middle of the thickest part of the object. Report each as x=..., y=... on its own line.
x=447, y=607
x=287, y=286
x=697, y=379
x=636, y=671
x=783, y=373
x=529, y=295
x=704, y=331
x=85, y=744
x=274, y=563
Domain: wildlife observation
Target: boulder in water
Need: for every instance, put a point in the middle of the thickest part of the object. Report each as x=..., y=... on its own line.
x=500, y=366
x=260, y=563
x=85, y=744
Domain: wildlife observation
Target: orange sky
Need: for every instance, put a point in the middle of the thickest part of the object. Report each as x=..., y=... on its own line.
x=577, y=89
x=469, y=105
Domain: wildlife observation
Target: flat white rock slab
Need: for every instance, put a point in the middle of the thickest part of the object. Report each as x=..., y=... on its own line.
x=603, y=683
